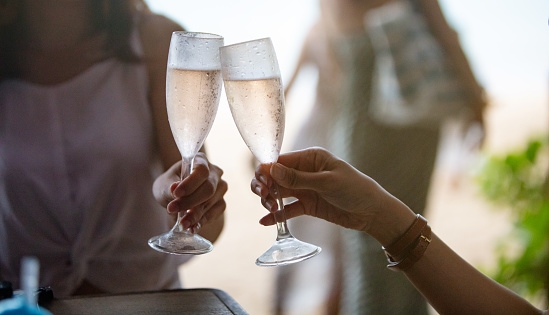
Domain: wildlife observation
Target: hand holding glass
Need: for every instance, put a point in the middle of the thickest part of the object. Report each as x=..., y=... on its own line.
x=255, y=95
x=193, y=88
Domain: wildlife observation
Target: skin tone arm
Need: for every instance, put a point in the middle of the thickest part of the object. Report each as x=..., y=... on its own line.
x=303, y=59
x=202, y=192
x=316, y=52
x=449, y=41
x=329, y=188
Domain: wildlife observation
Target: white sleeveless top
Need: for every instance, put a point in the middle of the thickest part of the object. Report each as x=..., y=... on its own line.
x=77, y=163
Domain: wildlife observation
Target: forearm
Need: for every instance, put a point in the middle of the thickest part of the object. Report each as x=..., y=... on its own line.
x=449, y=41
x=453, y=286
x=462, y=68
x=447, y=281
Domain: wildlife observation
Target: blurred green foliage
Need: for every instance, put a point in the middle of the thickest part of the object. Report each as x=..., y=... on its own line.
x=518, y=182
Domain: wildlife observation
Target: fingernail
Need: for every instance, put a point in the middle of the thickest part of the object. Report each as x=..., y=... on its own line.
x=267, y=220
x=263, y=179
x=173, y=186
x=269, y=205
x=170, y=207
x=257, y=190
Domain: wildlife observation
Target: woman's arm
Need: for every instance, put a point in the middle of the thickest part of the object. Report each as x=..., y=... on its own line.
x=453, y=286
x=449, y=41
x=303, y=59
x=328, y=188
x=156, y=32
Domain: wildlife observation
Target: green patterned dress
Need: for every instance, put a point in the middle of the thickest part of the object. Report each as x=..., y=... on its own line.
x=401, y=159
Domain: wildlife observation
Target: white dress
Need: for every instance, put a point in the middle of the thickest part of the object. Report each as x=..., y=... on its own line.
x=77, y=163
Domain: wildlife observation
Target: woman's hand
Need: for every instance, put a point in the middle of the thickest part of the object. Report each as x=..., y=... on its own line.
x=329, y=188
x=325, y=187
x=201, y=193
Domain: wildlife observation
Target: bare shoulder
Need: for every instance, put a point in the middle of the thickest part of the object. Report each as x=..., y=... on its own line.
x=156, y=31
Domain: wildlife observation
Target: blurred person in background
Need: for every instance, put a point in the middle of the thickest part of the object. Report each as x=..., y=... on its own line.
x=391, y=131
x=83, y=135
x=401, y=74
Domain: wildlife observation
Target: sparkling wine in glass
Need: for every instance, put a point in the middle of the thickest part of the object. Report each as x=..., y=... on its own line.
x=255, y=95
x=193, y=88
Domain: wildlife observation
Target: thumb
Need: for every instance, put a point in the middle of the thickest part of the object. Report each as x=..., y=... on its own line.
x=292, y=178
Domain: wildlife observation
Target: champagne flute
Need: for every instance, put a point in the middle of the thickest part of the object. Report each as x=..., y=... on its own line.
x=255, y=95
x=193, y=88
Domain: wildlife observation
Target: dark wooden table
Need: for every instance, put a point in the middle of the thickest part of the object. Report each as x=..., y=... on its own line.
x=183, y=301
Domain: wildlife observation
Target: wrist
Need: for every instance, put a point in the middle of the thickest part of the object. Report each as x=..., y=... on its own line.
x=392, y=219
x=410, y=247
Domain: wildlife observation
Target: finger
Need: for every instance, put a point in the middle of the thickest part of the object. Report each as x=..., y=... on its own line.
x=175, y=206
x=268, y=220
x=207, y=191
x=262, y=173
x=267, y=200
x=269, y=203
x=291, y=210
x=193, y=197
x=216, y=203
x=214, y=212
x=165, y=184
x=191, y=217
x=167, y=194
x=194, y=229
x=294, y=209
x=202, y=171
x=311, y=159
x=193, y=201
x=295, y=179
x=191, y=183
x=215, y=206
x=259, y=188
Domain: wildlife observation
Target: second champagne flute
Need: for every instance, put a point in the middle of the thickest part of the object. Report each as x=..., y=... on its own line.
x=193, y=88
x=255, y=95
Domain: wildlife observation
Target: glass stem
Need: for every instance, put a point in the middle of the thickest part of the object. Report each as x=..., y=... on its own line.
x=282, y=231
x=186, y=167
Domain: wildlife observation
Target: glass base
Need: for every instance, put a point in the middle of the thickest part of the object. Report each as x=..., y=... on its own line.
x=180, y=243
x=287, y=251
